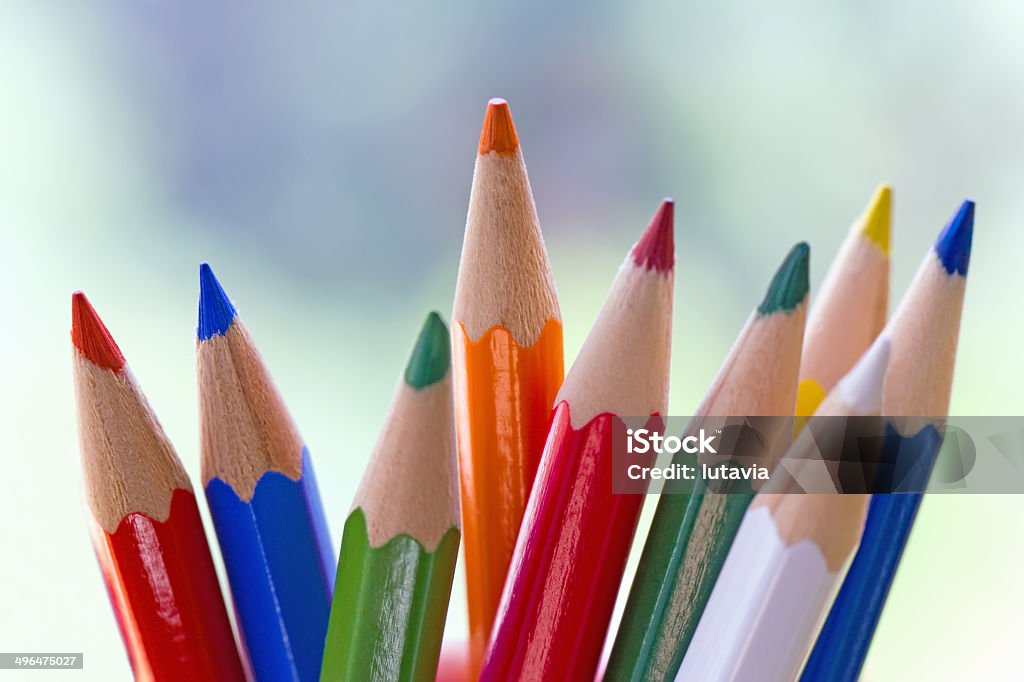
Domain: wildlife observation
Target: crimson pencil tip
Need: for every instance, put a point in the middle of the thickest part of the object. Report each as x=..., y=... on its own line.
x=91, y=336
x=656, y=248
x=499, y=132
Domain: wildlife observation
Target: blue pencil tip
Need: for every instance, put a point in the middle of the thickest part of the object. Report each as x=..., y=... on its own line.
x=954, y=243
x=216, y=313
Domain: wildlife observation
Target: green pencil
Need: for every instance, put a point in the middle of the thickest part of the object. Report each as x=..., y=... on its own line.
x=401, y=538
x=691, y=534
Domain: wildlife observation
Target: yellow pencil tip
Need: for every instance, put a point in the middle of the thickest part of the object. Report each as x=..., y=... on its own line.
x=809, y=396
x=876, y=223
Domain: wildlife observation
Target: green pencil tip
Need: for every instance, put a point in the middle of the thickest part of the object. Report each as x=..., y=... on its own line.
x=431, y=356
x=790, y=284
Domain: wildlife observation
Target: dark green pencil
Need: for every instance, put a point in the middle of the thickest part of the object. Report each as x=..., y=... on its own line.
x=691, y=534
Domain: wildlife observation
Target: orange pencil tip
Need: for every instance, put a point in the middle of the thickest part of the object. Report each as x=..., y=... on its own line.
x=91, y=336
x=499, y=132
x=656, y=248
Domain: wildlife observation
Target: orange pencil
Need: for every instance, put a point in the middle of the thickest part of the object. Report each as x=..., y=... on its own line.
x=507, y=361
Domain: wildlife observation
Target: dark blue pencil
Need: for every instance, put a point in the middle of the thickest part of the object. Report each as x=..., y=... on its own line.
x=263, y=497
x=923, y=333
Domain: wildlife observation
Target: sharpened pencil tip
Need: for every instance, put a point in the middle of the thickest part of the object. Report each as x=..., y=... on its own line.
x=954, y=243
x=499, y=132
x=656, y=248
x=876, y=223
x=216, y=312
x=790, y=284
x=91, y=337
x=431, y=356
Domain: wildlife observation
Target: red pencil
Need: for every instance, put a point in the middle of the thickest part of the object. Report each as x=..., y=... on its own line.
x=147, y=532
x=576, y=534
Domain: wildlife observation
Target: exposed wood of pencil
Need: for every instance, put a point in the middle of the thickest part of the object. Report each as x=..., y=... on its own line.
x=787, y=558
x=850, y=309
x=246, y=428
x=263, y=498
x=401, y=538
x=504, y=275
x=690, y=535
x=411, y=485
x=923, y=333
x=115, y=420
x=576, y=535
x=611, y=378
x=148, y=537
x=507, y=365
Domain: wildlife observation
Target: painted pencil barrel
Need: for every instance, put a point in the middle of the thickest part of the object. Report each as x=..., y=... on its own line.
x=761, y=618
x=392, y=602
x=557, y=605
x=162, y=582
x=504, y=398
x=281, y=576
x=673, y=606
x=843, y=643
x=636, y=641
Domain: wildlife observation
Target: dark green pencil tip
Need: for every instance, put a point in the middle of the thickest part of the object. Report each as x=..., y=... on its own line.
x=431, y=356
x=790, y=284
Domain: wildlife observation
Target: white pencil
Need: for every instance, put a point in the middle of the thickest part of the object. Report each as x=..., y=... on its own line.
x=786, y=562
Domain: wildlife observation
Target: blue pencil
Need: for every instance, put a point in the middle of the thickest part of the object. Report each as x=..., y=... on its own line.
x=263, y=497
x=923, y=334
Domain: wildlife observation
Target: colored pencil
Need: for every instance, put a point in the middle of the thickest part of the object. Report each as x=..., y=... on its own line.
x=850, y=309
x=576, y=534
x=263, y=497
x=923, y=333
x=147, y=533
x=507, y=364
x=690, y=535
x=401, y=538
x=787, y=559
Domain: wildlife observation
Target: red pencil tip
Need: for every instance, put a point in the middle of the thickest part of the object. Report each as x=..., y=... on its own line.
x=499, y=132
x=90, y=335
x=656, y=248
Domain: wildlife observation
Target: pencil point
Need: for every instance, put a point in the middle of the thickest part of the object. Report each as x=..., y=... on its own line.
x=499, y=132
x=216, y=312
x=431, y=355
x=790, y=284
x=876, y=223
x=91, y=336
x=954, y=243
x=656, y=248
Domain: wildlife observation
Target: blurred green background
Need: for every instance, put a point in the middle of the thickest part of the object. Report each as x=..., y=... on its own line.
x=319, y=155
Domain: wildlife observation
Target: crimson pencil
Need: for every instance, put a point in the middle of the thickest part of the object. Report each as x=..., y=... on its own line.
x=576, y=534
x=147, y=532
